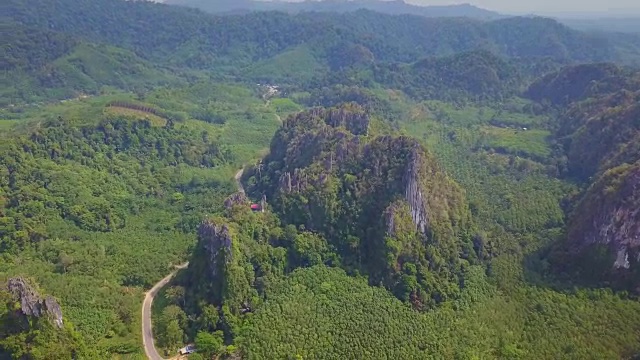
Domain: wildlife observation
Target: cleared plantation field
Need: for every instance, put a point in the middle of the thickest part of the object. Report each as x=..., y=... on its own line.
x=504, y=189
x=513, y=113
x=527, y=143
x=155, y=119
x=284, y=107
x=7, y=124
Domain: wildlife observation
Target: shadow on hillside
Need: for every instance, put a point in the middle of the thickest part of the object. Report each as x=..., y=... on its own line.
x=557, y=267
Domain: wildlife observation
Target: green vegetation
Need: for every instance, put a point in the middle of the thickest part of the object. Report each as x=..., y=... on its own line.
x=431, y=187
x=361, y=193
x=28, y=329
x=503, y=313
x=97, y=205
x=323, y=313
x=521, y=142
x=297, y=64
x=66, y=68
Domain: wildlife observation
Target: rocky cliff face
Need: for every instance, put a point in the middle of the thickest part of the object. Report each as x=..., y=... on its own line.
x=235, y=199
x=216, y=241
x=609, y=216
x=413, y=191
x=34, y=305
x=615, y=217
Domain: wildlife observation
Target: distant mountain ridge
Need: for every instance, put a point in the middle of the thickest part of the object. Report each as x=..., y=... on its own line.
x=140, y=38
x=629, y=24
x=395, y=7
x=179, y=36
x=587, y=22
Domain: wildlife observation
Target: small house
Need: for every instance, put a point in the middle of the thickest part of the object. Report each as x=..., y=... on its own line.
x=256, y=207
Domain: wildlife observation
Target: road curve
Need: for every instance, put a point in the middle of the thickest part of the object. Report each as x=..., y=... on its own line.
x=238, y=183
x=147, y=330
x=147, y=326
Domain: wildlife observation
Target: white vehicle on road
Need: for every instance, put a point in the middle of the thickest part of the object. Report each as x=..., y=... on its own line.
x=187, y=350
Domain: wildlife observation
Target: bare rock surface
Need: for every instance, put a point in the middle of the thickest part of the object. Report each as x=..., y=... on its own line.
x=32, y=303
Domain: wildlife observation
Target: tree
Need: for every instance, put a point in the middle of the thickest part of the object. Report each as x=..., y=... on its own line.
x=173, y=335
x=170, y=327
x=209, y=344
x=176, y=295
x=209, y=318
x=64, y=261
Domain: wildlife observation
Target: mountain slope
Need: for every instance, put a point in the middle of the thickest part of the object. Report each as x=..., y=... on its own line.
x=52, y=65
x=476, y=75
x=382, y=202
x=607, y=133
x=385, y=7
x=575, y=83
x=179, y=36
x=599, y=126
x=604, y=233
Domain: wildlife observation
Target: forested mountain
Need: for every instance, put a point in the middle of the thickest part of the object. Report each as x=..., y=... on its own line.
x=386, y=7
x=600, y=130
x=373, y=200
x=416, y=186
x=577, y=83
x=140, y=45
x=627, y=24
x=42, y=64
x=477, y=75
x=179, y=36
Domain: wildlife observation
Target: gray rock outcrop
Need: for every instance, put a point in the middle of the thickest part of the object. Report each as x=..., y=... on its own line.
x=413, y=192
x=238, y=198
x=217, y=244
x=31, y=302
x=612, y=220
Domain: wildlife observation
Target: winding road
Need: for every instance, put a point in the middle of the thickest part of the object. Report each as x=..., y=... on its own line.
x=238, y=183
x=147, y=331
x=147, y=326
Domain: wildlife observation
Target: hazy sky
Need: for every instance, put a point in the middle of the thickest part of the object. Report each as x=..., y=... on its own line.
x=617, y=7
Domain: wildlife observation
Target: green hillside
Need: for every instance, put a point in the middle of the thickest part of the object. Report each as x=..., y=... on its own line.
x=180, y=36
x=83, y=180
x=80, y=68
x=323, y=313
x=362, y=193
x=416, y=186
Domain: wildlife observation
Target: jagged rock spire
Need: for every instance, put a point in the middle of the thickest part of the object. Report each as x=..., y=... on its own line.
x=32, y=304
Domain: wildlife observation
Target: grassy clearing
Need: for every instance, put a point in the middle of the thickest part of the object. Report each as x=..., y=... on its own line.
x=284, y=107
x=6, y=125
x=530, y=142
x=155, y=120
x=510, y=114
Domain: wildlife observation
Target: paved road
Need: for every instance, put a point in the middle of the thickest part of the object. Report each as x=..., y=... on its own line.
x=147, y=326
x=237, y=177
x=147, y=331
